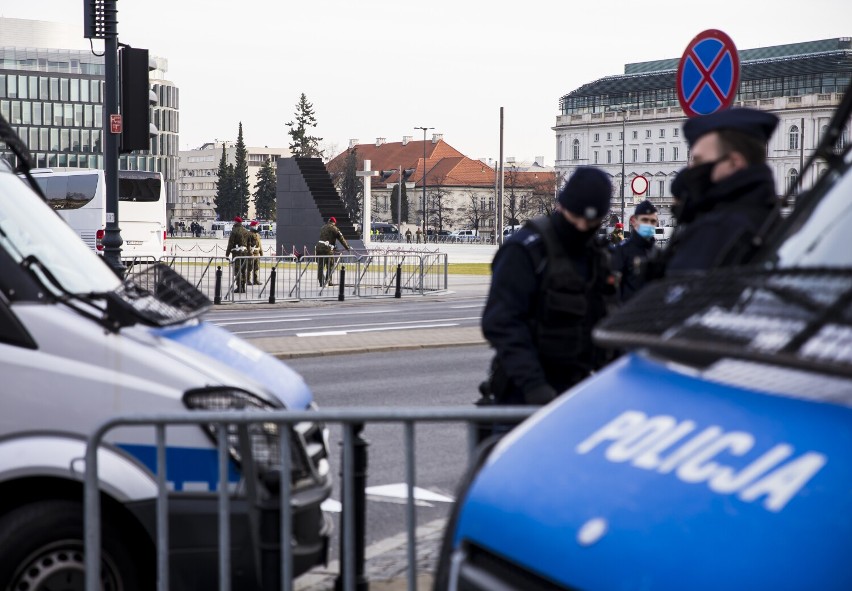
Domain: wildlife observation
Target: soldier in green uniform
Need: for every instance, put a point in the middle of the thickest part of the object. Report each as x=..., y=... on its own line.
x=329, y=234
x=255, y=249
x=238, y=247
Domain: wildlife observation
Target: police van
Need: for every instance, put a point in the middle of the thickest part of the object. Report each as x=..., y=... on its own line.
x=79, y=345
x=715, y=455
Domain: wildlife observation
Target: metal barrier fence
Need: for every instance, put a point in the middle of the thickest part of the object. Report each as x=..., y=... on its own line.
x=350, y=419
x=273, y=278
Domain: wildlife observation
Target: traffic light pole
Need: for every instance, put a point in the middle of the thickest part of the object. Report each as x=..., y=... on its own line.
x=112, y=237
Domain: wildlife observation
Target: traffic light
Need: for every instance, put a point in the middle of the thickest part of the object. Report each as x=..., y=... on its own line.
x=136, y=99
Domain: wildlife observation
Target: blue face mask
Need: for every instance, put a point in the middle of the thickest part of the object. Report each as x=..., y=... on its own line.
x=646, y=230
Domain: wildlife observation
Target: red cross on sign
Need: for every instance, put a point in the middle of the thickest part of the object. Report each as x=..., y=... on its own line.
x=115, y=123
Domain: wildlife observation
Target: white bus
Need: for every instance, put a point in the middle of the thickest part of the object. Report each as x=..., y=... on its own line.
x=79, y=197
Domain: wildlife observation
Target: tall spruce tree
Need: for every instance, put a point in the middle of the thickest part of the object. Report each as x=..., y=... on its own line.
x=224, y=199
x=264, y=195
x=241, y=181
x=351, y=187
x=303, y=144
x=403, y=204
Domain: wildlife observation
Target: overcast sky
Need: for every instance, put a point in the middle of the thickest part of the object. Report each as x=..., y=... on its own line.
x=380, y=68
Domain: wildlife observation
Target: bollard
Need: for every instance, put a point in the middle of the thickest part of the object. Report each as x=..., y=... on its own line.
x=272, y=286
x=360, y=485
x=217, y=293
x=398, y=292
x=340, y=291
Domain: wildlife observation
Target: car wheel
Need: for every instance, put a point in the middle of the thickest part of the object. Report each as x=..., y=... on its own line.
x=41, y=548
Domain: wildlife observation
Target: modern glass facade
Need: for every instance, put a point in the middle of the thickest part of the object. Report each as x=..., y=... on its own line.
x=53, y=98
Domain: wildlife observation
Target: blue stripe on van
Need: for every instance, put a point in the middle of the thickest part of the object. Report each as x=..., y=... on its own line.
x=184, y=465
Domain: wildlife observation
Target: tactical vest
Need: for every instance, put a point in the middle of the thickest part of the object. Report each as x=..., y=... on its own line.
x=563, y=322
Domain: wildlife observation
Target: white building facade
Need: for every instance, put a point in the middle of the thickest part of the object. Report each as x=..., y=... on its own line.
x=633, y=122
x=198, y=175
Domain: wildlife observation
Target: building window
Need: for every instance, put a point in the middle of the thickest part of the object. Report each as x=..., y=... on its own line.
x=676, y=132
x=576, y=153
x=794, y=137
x=647, y=154
x=647, y=133
x=662, y=154
x=597, y=137
x=792, y=180
x=662, y=133
x=621, y=156
x=635, y=155
x=608, y=136
x=596, y=156
x=635, y=135
x=609, y=156
x=674, y=153
x=621, y=135
x=661, y=187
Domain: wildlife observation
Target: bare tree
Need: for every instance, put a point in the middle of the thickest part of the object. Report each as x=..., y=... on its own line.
x=473, y=212
x=543, y=193
x=516, y=198
x=348, y=183
x=438, y=210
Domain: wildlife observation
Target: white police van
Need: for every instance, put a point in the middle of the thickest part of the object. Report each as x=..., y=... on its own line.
x=716, y=455
x=78, y=345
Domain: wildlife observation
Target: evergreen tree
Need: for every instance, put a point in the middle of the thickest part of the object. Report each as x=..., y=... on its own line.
x=264, y=196
x=241, y=182
x=403, y=204
x=351, y=187
x=224, y=199
x=304, y=145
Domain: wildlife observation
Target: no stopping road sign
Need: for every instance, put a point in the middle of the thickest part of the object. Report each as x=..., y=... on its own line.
x=708, y=74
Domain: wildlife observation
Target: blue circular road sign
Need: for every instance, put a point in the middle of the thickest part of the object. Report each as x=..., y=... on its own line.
x=708, y=74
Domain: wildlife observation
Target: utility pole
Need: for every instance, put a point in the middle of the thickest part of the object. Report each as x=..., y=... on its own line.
x=499, y=228
x=623, y=158
x=423, y=209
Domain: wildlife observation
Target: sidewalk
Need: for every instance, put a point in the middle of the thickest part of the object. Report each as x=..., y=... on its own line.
x=387, y=563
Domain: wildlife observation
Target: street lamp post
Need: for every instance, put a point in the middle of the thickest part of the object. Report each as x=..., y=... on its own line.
x=424, y=180
x=623, y=157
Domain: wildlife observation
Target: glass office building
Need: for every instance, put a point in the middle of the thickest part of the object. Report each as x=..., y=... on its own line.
x=53, y=98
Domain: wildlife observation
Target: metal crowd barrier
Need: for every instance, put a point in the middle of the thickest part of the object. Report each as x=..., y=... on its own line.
x=352, y=420
x=273, y=278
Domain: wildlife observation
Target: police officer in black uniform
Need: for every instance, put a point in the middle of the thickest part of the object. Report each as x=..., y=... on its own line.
x=548, y=288
x=629, y=257
x=726, y=196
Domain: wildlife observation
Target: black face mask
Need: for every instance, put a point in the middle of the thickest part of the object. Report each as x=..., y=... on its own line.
x=573, y=239
x=690, y=188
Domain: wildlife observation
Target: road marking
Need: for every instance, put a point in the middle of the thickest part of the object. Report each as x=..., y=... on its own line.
x=353, y=327
x=399, y=490
x=377, y=329
x=463, y=307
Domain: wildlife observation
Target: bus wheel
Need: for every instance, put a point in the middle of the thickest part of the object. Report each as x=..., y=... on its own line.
x=41, y=548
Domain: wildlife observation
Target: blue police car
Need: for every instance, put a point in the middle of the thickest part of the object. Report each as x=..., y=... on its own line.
x=715, y=455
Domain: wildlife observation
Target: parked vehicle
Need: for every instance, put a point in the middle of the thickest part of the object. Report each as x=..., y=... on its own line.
x=714, y=456
x=384, y=228
x=464, y=236
x=78, y=345
x=79, y=197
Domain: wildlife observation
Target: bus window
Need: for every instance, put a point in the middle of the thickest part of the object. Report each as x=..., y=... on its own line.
x=69, y=192
x=139, y=187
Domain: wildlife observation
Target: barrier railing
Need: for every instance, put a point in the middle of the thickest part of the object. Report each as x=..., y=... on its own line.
x=352, y=421
x=337, y=276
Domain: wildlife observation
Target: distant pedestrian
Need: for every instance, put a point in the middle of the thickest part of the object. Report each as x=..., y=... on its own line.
x=419, y=235
x=408, y=235
x=329, y=235
x=617, y=235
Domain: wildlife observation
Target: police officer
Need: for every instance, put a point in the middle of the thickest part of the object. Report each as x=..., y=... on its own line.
x=329, y=235
x=726, y=196
x=548, y=289
x=255, y=249
x=238, y=247
x=629, y=257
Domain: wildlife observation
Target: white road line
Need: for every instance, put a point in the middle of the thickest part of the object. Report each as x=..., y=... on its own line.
x=465, y=307
x=355, y=326
x=344, y=332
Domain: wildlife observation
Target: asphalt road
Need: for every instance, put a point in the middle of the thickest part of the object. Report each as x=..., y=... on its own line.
x=429, y=377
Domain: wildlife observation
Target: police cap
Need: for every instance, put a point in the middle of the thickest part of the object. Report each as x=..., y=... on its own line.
x=751, y=122
x=587, y=193
x=645, y=208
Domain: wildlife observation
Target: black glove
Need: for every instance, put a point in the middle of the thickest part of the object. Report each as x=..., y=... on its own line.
x=541, y=394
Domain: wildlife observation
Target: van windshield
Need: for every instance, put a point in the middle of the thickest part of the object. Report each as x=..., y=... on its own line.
x=28, y=227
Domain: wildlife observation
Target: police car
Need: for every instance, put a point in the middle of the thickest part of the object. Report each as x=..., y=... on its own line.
x=716, y=455
x=78, y=345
